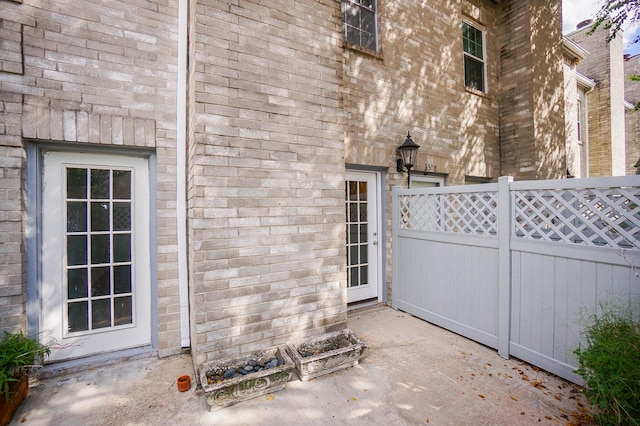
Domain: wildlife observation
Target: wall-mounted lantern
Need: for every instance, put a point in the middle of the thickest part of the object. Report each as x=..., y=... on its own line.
x=408, y=153
x=637, y=166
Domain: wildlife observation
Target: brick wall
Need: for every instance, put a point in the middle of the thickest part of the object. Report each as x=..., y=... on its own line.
x=416, y=83
x=92, y=72
x=266, y=178
x=532, y=129
x=632, y=94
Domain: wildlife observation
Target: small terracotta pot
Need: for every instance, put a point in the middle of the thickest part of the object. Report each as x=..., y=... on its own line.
x=184, y=383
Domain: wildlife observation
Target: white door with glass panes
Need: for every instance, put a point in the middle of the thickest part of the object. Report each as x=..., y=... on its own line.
x=364, y=275
x=95, y=284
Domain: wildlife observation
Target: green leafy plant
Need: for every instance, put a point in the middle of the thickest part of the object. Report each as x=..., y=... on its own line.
x=610, y=364
x=18, y=353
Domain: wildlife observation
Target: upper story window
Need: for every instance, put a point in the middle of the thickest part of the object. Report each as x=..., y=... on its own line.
x=474, y=62
x=359, y=23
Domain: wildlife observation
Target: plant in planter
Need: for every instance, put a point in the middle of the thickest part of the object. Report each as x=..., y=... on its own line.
x=18, y=353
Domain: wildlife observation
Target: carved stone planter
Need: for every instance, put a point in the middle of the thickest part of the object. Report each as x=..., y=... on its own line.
x=320, y=355
x=270, y=370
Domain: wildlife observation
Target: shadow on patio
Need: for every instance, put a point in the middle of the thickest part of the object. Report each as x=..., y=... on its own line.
x=412, y=373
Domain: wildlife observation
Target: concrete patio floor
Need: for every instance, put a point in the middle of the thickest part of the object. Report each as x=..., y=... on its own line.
x=412, y=373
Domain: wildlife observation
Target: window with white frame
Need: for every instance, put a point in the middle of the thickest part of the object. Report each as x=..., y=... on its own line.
x=579, y=123
x=474, y=58
x=359, y=23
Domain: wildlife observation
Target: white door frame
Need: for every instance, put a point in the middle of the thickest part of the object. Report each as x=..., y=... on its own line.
x=375, y=237
x=67, y=346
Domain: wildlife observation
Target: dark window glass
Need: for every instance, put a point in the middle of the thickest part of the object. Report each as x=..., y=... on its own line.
x=473, y=73
x=353, y=255
x=353, y=277
x=472, y=43
x=100, y=281
x=100, y=216
x=100, y=184
x=101, y=313
x=353, y=212
x=364, y=254
x=122, y=279
x=121, y=185
x=76, y=250
x=359, y=23
x=122, y=216
x=77, y=283
x=363, y=233
x=77, y=183
x=122, y=248
x=76, y=216
x=122, y=310
x=99, y=249
x=364, y=278
x=78, y=316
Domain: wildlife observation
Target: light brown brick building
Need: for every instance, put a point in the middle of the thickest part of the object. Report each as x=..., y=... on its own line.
x=632, y=122
x=175, y=172
x=604, y=139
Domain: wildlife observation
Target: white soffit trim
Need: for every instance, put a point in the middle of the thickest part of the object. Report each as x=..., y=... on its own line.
x=585, y=83
x=573, y=50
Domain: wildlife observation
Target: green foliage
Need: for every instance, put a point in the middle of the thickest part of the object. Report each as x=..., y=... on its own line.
x=612, y=16
x=610, y=365
x=614, y=13
x=17, y=353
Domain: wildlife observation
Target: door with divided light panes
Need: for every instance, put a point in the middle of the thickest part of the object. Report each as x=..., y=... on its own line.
x=363, y=235
x=95, y=283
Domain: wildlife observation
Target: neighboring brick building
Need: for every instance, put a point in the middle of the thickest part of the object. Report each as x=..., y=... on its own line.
x=576, y=89
x=632, y=95
x=604, y=110
x=174, y=171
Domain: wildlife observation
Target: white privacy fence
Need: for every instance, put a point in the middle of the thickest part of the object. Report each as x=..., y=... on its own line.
x=518, y=266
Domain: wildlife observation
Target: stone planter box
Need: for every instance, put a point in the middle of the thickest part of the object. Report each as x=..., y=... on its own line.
x=222, y=390
x=320, y=355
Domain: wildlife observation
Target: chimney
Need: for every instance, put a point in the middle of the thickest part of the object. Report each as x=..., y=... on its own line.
x=584, y=23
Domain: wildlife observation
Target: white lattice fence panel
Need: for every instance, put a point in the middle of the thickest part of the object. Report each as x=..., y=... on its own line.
x=421, y=212
x=473, y=213
x=607, y=217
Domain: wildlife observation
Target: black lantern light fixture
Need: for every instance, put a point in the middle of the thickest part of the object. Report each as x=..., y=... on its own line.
x=408, y=153
x=637, y=166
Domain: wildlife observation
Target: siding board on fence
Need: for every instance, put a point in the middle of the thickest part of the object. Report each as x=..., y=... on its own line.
x=451, y=285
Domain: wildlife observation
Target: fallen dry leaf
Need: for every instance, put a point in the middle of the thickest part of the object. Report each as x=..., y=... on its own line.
x=481, y=396
x=270, y=397
x=513, y=397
